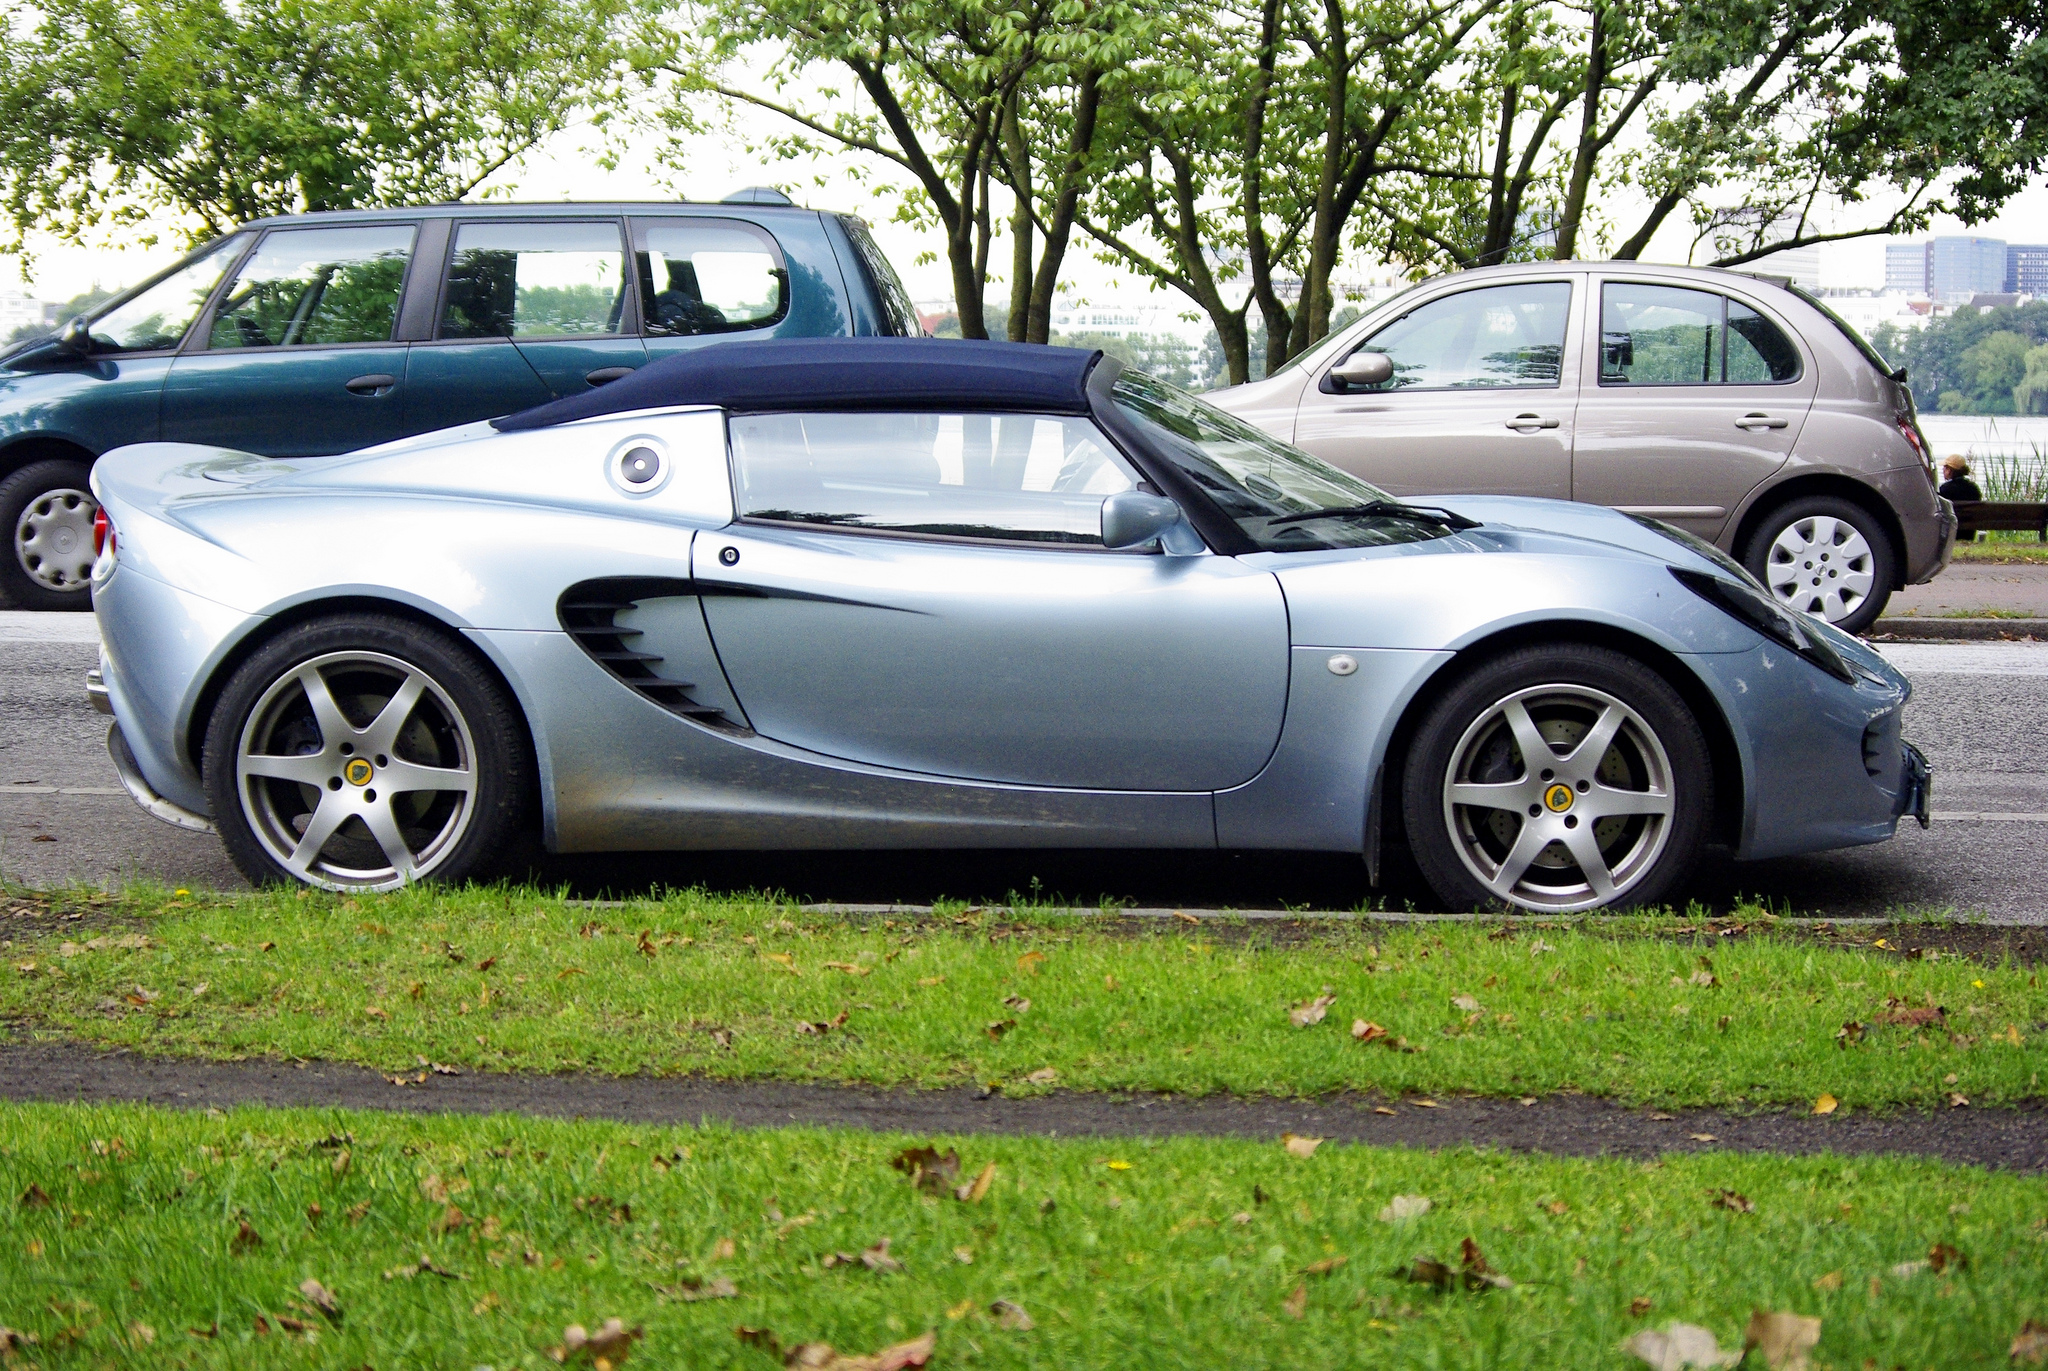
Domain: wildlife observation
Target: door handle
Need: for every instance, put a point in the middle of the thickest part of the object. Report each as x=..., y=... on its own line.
x=1529, y=423
x=606, y=374
x=375, y=384
x=1755, y=421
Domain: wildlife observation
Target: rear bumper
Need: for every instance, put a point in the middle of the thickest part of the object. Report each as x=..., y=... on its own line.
x=1945, y=547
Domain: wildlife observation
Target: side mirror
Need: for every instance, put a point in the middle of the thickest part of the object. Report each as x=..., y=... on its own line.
x=75, y=339
x=1364, y=369
x=1131, y=518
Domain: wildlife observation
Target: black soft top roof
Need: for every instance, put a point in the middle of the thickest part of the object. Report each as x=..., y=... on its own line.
x=839, y=373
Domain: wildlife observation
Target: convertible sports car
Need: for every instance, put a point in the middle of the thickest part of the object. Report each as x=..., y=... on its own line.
x=916, y=594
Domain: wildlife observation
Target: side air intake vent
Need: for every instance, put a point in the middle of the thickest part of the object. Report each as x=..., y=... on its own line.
x=587, y=613
x=1881, y=755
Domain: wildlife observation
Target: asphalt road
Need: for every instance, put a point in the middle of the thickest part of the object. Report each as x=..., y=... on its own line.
x=1980, y=712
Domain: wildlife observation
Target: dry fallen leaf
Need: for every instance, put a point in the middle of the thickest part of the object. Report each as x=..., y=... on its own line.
x=1012, y=1316
x=1296, y=1304
x=1030, y=962
x=1324, y=1267
x=1639, y=1306
x=1729, y=1200
x=849, y=968
x=877, y=1258
x=820, y=1356
x=13, y=1340
x=1366, y=1032
x=1703, y=1137
x=1680, y=1347
x=245, y=1238
x=1018, y=1003
x=2031, y=1346
x=927, y=1168
x=604, y=1349
x=1830, y=1281
x=1045, y=1075
x=1405, y=1207
x=1783, y=1338
x=320, y=1298
x=1466, y=1003
x=1941, y=1257
x=996, y=1028
x=1310, y=1011
x=1299, y=1146
x=1826, y=1104
x=34, y=1197
x=714, y=1288
x=1478, y=1275
x=976, y=1189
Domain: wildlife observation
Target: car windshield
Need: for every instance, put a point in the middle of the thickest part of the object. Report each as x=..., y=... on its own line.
x=1283, y=499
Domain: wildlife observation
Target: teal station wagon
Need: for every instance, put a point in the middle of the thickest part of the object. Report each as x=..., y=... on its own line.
x=321, y=333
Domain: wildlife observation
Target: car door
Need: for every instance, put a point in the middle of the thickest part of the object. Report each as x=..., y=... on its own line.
x=296, y=358
x=1691, y=399
x=929, y=592
x=531, y=310
x=1482, y=398
x=703, y=278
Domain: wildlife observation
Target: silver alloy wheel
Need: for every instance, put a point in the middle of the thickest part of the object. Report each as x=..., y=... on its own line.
x=1559, y=797
x=357, y=806
x=53, y=539
x=1821, y=565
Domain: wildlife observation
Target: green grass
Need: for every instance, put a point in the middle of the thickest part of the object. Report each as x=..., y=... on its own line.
x=1121, y=1254
x=509, y=980
x=2003, y=547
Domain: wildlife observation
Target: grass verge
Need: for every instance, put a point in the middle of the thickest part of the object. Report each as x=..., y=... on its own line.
x=2004, y=549
x=501, y=979
x=141, y=1237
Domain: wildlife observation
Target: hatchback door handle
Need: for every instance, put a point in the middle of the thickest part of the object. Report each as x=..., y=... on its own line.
x=1750, y=421
x=1529, y=423
x=606, y=374
x=375, y=384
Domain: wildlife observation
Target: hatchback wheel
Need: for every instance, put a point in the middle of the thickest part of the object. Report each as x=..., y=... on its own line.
x=1555, y=779
x=46, y=510
x=1825, y=557
x=360, y=753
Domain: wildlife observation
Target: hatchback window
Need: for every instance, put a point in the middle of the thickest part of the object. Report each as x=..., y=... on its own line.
x=708, y=276
x=308, y=287
x=1014, y=477
x=1668, y=336
x=158, y=317
x=1493, y=338
x=535, y=281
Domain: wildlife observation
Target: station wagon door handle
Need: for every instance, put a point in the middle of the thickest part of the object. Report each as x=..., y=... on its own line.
x=376, y=384
x=606, y=374
x=1754, y=421
x=1529, y=423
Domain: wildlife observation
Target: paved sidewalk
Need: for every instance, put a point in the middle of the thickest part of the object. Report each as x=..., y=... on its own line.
x=1969, y=588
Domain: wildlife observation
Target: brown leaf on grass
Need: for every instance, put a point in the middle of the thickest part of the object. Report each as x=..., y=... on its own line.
x=1010, y=1315
x=1018, y=1003
x=820, y=1029
x=1942, y=1257
x=1404, y=1207
x=1030, y=962
x=487, y=963
x=357, y=1211
x=2031, y=1346
x=1783, y=1338
x=1466, y=1003
x=1680, y=1347
x=1296, y=1304
x=1045, y=1075
x=342, y=1161
x=975, y=1190
x=1914, y=1018
x=320, y=1298
x=1729, y=1200
x=1826, y=1104
x=1557, y=1208
x=1299, y=1146
x=877, y=1258
x=1478, y=1275
x=423, y=1267
x=1323, y=1267
x=820, y=1356
x=783, y=960
x=1186, y=917
x=1367, y=1032
x=646, y=943
x=850, y=968
x=927, y=1168
x=34, y=1197
x=13, y=1339
x=1831, y=1281
x=1429, y=1271
x=245, y=1239
x=996, y=1028
x=693, y=1289
x=1850, y=1034
x=1639, y=1306
x=1310, y=1011
x=602, y=1350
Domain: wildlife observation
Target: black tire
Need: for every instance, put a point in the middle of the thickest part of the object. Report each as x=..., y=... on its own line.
x=463, y=720
x=1491, y=857
x=46, y=512
x=1812, y=583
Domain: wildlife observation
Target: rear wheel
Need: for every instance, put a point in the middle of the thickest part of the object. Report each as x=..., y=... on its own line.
x=46, y=511
x=360, y=753
x=1555, y=779
x=1825, y=557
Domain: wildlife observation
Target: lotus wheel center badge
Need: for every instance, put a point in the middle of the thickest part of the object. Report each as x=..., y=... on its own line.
x=1557, y=799
x=359, y=772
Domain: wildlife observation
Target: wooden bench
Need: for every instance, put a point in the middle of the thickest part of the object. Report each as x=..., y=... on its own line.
x=2006, y=516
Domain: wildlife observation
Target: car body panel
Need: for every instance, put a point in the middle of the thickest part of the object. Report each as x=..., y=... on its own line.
x=286, y=402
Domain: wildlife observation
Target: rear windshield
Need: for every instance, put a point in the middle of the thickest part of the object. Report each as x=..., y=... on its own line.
x=1863, y=345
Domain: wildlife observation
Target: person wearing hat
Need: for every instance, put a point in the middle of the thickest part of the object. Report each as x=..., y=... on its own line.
x=1956, y=484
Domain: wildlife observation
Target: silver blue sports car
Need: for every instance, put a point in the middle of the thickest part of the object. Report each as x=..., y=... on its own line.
x=910, y=593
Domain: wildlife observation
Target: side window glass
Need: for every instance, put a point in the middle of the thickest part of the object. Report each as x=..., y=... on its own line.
x=1500, y=336
x=1664, y=335
x=535, y=281
x=159, y=316
x=897, y=310
x=309, y=287
x=708, y=276
x=1014, y=477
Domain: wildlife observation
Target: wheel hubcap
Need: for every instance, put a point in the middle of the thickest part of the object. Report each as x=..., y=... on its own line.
x=357, y=772
x=1559, y=797
x=53, y=539
x=1820, y=566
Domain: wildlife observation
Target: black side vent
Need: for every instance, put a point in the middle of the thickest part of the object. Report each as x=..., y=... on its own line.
x=1881, y=748
x=586, y=613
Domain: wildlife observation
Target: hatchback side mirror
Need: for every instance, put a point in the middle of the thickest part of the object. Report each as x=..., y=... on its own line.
x=1364, y=369
x=75, y=339
x=1131, y=518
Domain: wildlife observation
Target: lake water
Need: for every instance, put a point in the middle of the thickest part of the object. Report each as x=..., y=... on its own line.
x=1976, y=435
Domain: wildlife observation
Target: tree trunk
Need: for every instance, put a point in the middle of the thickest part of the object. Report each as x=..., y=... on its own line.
x=1022, y=278
x=1590, y=143
x=1059, y=228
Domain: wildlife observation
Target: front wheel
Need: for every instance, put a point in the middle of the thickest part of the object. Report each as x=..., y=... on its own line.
x=47, y=509
x=1825, y=557
x=1554, y=779
x=360, y=753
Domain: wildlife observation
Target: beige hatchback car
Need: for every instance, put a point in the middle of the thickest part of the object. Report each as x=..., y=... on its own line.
x=1734, y=406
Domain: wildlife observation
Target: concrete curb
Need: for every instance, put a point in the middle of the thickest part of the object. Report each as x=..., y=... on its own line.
x=1907, y=628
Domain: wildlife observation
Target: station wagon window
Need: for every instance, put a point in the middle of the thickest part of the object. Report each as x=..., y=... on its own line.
x=1012, y=477
x=1498, y=337
x=1669, y=336
x=707, y=276
x=550, y=280
x=158, y=317
x=314, y=287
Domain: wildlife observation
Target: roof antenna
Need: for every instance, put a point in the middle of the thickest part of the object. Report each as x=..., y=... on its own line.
x=757, y=195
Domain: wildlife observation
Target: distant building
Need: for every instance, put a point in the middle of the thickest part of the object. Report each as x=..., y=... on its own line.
x=1959, y=267
x=1906, y=268
x=18, y=310
x=2026, y=268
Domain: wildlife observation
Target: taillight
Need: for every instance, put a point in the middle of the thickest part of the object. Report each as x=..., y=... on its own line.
x=102, y=533
x=1911, y=431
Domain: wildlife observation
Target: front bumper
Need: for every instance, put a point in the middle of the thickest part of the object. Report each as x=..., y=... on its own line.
x=1916, y=784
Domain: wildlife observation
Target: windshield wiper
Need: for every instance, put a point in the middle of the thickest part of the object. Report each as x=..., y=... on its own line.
x=1381, y=509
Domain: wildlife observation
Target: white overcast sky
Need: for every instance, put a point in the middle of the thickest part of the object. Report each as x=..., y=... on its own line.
x=713, y=164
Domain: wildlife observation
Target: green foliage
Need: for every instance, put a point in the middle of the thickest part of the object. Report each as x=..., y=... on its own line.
x=2030, y=396
x=1167, y=356
x=1973, y=361
x=115, y=111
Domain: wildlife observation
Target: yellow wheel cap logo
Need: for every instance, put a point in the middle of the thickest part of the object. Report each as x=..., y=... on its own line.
x=1557, y=799
x=359, y=772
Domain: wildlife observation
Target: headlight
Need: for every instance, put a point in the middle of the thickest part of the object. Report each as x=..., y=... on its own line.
x=1761, y=612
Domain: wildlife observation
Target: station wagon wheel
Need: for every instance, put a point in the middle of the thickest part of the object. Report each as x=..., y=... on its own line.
x=46, y=511
x=367, y=766
x=1825, y=557
x=1558, y=779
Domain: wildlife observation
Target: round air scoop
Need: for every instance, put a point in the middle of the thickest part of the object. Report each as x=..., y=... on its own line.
x=638, y=466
